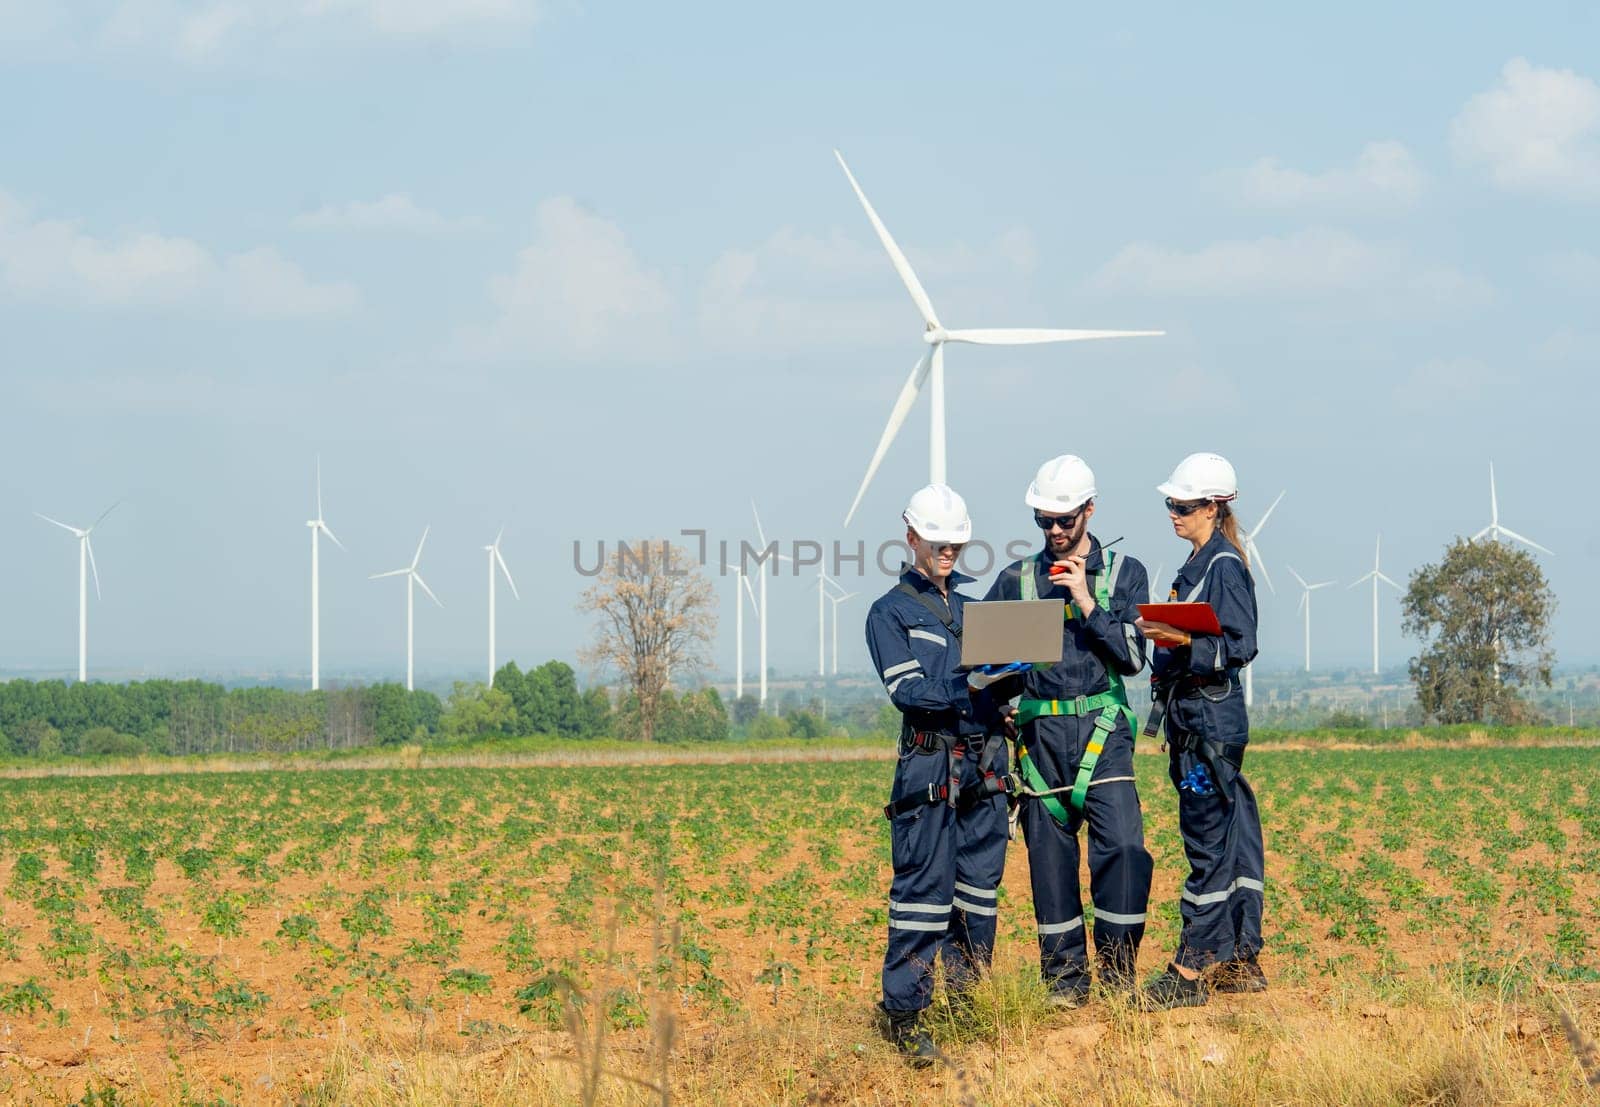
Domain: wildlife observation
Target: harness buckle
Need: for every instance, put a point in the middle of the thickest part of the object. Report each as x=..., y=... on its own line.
x=1080, y=704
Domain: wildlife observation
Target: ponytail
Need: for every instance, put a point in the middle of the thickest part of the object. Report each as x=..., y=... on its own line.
x=1228, y=524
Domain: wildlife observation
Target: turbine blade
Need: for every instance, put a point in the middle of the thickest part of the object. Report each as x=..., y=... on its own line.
x=424, y=586
x=1321, y=584
x=1494, y=501
x=1525, y=541
x=323, y=527
x=1258, y=562
x=390, y=573
x=505, y=570
x=1027, y=336
x=1268, y=515
x=901, y=265
x=897, y=418
x=1297, y=577
x=418, y=557
x=750, y=590
x=501, y=533
x=319, y=486
x=93, y=568
x=1386, y=580
x=60, y=524
x=1362, y=580
x=103, y=515
x=1303, y=597
x=1488, y=530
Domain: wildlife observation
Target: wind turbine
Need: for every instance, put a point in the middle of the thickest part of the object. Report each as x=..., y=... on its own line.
x=413, y=578
x=494, y=559
x=741, y=590
x=761, y=606
x=1494, y=531
x=1151, y=584
x=929, y=369
x=1375, y=576
x=1305, y=605
x=836, y=601
x=86, y=565
x=318, y=528
x=1257, y=562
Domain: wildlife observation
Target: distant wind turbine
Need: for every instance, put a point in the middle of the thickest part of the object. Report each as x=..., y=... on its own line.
x=494, y=559
x=86, y=565
x=413, y=581
x=741, y=591
x=1375, y=576
x=761, y=536
x=1305, y=605
x=1494, y=531
x=929, y=369
x=318, y=528
x=836, y=601
x=1259, y=563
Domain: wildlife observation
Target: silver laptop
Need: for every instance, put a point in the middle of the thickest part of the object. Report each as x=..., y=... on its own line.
x=994, y=632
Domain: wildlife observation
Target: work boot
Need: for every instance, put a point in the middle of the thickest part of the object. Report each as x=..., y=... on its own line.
x=1241, y=974
x=1116, y=973
x=1069, y=993
x=1172, y=989
x=910, y=1037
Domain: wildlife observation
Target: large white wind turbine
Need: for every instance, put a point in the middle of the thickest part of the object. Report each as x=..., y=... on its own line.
x=1257, y=563
x=495, y=559
x=86, y=565
x=1375, y=576
x=929, y=369
x=1494, y=531
x=741, y=591
x=318, y=528
x=413, y=580
x=1305, y=605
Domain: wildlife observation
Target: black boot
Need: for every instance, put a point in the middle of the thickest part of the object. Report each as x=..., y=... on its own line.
x=1172, y=989
x=910, y=1037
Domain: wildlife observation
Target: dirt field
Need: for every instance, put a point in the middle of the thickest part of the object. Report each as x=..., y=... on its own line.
x=522, y=935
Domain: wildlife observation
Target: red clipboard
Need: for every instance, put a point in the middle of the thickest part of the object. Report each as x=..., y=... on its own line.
x=1196, y=618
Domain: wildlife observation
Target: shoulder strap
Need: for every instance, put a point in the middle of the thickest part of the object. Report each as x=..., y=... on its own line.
x=1223, y=555
x=1105, y=583
x=926, y=600
x=1028, y=590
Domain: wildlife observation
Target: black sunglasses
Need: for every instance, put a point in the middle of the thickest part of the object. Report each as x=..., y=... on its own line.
x=1065, y=522
x=1183, y=510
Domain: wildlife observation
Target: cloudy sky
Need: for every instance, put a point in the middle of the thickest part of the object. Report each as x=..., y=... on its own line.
x=591, y=271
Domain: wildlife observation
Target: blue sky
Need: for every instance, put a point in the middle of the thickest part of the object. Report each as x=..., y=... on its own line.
x=592, y=271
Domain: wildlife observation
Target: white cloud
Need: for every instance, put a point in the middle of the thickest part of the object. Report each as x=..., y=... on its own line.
x=1309, y=263
x=1537, y=130
x=56, y=259
x=578, y=289
x=203, y=30
x=394, y=212
x=1384, y=175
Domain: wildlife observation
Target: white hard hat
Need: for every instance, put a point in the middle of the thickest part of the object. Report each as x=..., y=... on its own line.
x=1063, y=484
x=938, y=514
x=1201, y=477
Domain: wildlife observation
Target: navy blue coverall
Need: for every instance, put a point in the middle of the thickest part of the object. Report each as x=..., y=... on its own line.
x=948, y=860
x=1119, y=864
x=1206, y=724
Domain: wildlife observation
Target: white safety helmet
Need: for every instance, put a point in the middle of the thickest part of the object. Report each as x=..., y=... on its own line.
x=1201, y=477
x=938, y=514
x=1063, y=484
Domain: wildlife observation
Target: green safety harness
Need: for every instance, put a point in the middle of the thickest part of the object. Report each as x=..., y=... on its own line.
x=1110, y=703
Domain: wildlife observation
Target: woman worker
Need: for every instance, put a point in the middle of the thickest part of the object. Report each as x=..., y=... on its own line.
x=1195, y=678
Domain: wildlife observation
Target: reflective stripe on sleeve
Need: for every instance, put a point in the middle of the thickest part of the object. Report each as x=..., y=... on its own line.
x=903, y=667
x=898, y=681
x=917, y=632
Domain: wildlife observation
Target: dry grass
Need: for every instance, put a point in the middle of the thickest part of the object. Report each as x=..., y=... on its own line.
x=1433, y=1045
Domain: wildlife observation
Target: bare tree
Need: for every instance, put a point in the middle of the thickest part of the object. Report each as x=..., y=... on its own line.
x=655, y=619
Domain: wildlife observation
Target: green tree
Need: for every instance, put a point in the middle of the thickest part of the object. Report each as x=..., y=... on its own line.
x=475, y=711
x=745, y=710
x=595, y=713
x=806, y=724
x=1483, y=616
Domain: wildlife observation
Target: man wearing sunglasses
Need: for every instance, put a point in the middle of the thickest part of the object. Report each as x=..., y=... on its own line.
x=1076, y=740
x=947, y=809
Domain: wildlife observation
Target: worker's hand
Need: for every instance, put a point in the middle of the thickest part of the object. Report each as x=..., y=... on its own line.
x=1008, y=723
x=1071, y=575
x=1163, y=634
x=983, y=676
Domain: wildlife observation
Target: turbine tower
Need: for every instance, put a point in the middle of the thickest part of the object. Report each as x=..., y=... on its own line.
x=761, y=605
x=494, y=559
x=1256, y=562
x=413, y=580
x=1305, y=605
x=86, y=565
x=741, y=590
x=1375, y=576
x=318, y=528
x=929, y=369
x=1497, y=533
